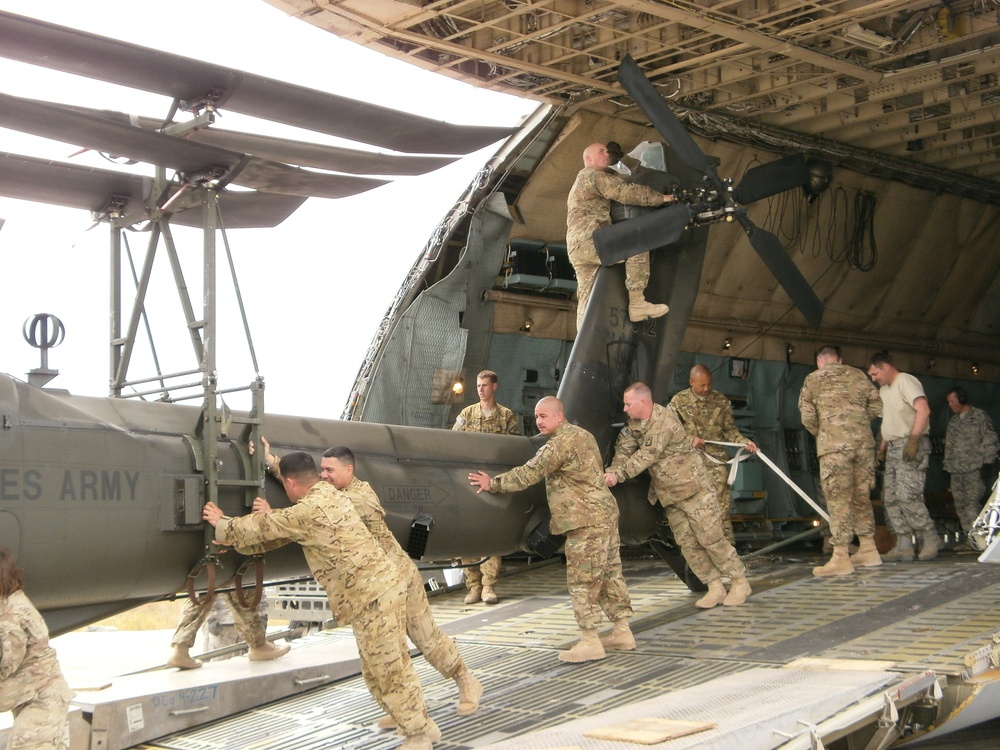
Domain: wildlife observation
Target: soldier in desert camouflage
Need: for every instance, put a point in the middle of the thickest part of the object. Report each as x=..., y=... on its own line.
x=364, y=588
x=707, y=415
x=589, y=209
x=31, y=684
x=496, y=419
x=586, y=512
x=653, y=439
x=838, y=404
x=337, y=468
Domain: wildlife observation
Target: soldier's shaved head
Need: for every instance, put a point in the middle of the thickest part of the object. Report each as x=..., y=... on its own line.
x=596, y=156
x=828, y=354
x=639, y=390
x=549, y=415
x=638, y=401
x=700, y=379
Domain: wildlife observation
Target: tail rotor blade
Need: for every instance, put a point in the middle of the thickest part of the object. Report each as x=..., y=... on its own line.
x=641, y=234
x=634, y=81
x=772, y=178
x=779, y=263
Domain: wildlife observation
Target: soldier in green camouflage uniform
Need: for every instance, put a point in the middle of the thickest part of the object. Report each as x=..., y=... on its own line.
x=838, y=404
x=585, y=511
x=653, y=439
x=589, y=209
x=970, y=443
x=31, y=684
x=708, y=415
x=485, y=416
x=364, y=588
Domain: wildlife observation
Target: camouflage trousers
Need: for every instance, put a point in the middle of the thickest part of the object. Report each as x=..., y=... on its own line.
x=697, y=529
x=380, y=630
x=43, y=723
x=903, y=489
x=719, y=476
x=967, y=489
x=438, y=649
x=847, y=478
x=248, y=623
x=482, y=575
x=586, y=264
x=594, y=575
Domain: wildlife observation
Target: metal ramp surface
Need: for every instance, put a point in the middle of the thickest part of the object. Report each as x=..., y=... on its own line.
x=727, y=665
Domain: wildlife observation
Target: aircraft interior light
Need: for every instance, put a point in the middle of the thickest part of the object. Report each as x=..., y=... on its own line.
x=728, y=343
x=458, y=387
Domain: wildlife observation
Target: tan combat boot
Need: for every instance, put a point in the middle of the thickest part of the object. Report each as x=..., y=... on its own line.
x=423, y=741
x=181, y=659
x=386, y=722
x=716, y=593
x=475, y=595
x=867, y=555
x=902, y=552
x=267, y=651
x=639, y=309
x=588, y=649
x=930, y=543
x=738, y=592
x=489, y=596
x=470, y=690
x=620, y=638
x=839, y=564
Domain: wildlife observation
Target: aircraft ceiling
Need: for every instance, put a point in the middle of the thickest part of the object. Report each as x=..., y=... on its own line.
x=901, y=88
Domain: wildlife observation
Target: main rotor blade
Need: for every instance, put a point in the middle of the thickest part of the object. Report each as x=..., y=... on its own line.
x=649, y=231
x=769, y=249
x=92, y=189
x=103, y=134
x=772, y=178
x=69, y=50
x=301, y=153
x=655, y=107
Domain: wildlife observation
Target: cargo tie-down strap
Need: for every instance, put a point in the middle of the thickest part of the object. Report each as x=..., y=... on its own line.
x=742, y=454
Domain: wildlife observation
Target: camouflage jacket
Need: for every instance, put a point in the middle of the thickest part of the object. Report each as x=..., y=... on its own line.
x=340, y=551
x=570, y=463
x=367, y=505
x=970, y=441
x=838, y=403
x=501, y=422
x=27, y=663
x=710, y=418
x=589, y=202
x=676, y=470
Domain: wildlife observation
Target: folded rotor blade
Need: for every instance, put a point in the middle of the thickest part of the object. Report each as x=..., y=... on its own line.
x=772, y=178
x=641, y=234
x=187, y=80
x=781, y=266
x=665, y=121
x=70, y=185
x=104, y=134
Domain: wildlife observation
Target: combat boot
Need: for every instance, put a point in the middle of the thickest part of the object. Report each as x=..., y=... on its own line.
x=867, y=555
x=489, y=596
x=902, y=552
x=714, y=597
x=386, y=722
x=930, y=543
x=423, y=741
x=738, y=592
x=588, y=649
x=639, y=309
x=839, y=564
x=475, y=595
x=620, y=638
x=470, y=690
x=182, y=660
x=267, y=651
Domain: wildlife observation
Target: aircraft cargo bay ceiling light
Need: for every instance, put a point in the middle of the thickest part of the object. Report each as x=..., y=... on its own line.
x=868, y=39
x=728, y=343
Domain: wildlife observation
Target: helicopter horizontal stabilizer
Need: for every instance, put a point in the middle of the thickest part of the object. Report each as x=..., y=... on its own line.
x=649, y=231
